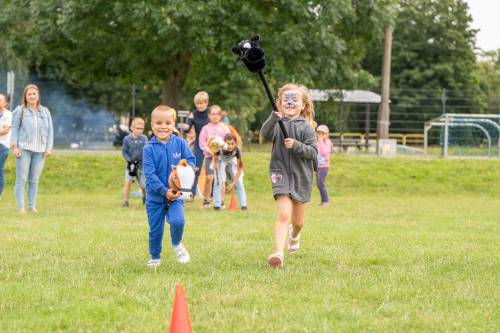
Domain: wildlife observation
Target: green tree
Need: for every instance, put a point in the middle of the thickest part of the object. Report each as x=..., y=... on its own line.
x=487, y=73
x=433, y=46
x=171, y=49
x=433, y=49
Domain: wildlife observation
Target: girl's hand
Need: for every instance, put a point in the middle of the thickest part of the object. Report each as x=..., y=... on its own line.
x=289, y=143
x=16, y=152
x=47, y=153
x=279, y=114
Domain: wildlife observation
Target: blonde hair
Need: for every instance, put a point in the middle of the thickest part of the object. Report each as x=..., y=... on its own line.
x=137, y=120
x=31, y=86
x=200, y=97
x=215, y=107
x=308, y=111
x=164, y=108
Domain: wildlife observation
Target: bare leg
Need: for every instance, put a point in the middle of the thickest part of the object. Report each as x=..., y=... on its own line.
x=126, y=189
x=223, y=191
x=285, y=205
x=297, y=217
x=208, y=186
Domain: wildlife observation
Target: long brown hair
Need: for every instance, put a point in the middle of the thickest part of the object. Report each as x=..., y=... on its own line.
x=31, y=86
x=308, y=112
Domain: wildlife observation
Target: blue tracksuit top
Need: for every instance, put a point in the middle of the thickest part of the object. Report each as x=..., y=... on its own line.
x=158, y=160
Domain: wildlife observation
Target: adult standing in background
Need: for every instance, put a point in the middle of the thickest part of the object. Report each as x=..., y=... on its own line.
x=5, y=126
x=32, y=141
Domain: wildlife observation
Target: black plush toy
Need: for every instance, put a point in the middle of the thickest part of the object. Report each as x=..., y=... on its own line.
x=252, y=55
x=132, y=168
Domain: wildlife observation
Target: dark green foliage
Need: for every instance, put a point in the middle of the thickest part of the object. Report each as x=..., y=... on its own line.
x=173, y=49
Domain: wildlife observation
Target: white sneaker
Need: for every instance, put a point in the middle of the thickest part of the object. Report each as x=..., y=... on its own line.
x=293, y=243
x=154, y=263
x=181, y=254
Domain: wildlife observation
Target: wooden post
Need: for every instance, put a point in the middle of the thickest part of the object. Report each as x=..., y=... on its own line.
x=384, y=111
x=367, y=124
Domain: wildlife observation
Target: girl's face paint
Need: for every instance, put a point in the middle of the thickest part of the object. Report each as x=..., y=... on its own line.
x=292, y=103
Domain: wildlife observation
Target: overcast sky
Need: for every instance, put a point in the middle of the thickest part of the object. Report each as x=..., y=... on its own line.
x=485, y=14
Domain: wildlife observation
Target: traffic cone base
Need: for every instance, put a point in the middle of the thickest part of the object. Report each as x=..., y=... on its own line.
x=180, y=315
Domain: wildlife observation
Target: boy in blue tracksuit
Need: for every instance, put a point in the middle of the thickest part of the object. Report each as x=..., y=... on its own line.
x=162, y=152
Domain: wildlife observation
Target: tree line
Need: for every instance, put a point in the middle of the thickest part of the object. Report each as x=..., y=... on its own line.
x=171, y=49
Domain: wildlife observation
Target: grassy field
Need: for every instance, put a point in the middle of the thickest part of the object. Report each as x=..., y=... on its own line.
x=407, y=245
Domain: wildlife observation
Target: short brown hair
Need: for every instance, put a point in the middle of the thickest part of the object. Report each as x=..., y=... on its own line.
x=7, y=98
x=229, y=137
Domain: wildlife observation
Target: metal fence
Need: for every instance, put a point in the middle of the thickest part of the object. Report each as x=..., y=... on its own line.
x=351, y=124
x=85, y=119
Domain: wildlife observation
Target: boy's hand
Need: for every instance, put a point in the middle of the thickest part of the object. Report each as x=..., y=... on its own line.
x=289, y=143
x=171, y=195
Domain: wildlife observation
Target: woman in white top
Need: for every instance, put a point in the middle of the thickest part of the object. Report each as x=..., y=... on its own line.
x=5, y=126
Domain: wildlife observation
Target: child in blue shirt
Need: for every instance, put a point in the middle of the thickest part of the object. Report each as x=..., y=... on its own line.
x=162, y=152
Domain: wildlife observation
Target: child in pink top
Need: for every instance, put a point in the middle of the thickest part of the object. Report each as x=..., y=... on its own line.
x=215, y=128
x=324, y=149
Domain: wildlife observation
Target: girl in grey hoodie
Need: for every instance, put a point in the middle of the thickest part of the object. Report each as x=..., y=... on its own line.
x=293, y=161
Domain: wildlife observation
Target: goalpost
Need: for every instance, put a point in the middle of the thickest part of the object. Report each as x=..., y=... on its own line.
x=467, y=134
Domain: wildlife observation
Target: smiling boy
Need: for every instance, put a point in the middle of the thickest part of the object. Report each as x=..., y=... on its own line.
x=161, y=153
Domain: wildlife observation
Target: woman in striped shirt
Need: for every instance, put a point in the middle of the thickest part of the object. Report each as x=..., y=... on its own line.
x=32, y=140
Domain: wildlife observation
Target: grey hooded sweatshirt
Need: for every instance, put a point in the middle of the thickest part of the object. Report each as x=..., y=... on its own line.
x=291, y=170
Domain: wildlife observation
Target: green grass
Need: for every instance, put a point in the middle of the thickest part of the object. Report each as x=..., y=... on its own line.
x=407, y=245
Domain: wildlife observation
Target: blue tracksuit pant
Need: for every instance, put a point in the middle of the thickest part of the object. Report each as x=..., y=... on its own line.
x=157, y=211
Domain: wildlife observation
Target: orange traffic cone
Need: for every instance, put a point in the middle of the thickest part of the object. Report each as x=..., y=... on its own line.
x=180, y=315
x=232, y=204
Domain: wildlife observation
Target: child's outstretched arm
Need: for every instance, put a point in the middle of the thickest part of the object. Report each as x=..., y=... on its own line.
x=189, y=123
x=268, y=130
x=307, y=149
x=154, y=182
